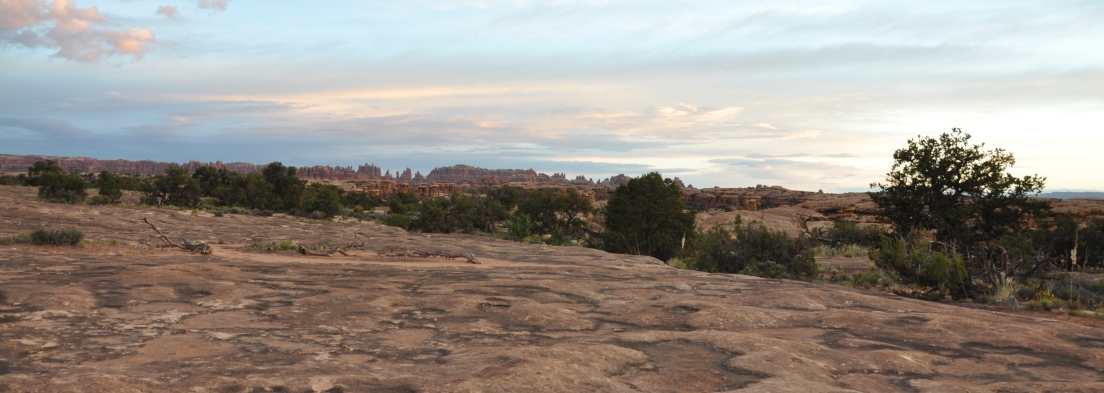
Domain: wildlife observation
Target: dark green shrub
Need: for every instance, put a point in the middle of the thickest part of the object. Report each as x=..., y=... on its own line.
x=56, y=185
x=753, y=249
x=847, y=233
x=918, y=262
x=57, y=237
x=403, y=203
x=519, y=227
x=398, y=220
x=9, y=180
x=557, y=238
x=17, y=239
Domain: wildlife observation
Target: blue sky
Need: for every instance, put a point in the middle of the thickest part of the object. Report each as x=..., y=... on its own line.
x=804, y=94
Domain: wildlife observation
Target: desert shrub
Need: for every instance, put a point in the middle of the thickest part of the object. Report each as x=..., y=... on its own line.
x=451, y=214
x=403, y=203
x=56, y=185
x=844, y=251
x=557, y=238
x=397, y=220
x=363, y=200
x=1078, y=291
x=9, y=180
x=57, y=237
x=753, y=249
x=519, y=227
x=915, y=261
x=316, y=215
x=846, y=233
x=288, y=245
x=17, y=239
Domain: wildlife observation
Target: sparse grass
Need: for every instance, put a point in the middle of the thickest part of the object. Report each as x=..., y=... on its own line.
x=845, y=251
x=1006, y=292
x=283, y=245
x=679, y=263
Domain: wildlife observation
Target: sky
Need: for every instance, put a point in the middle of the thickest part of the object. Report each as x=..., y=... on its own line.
x=809, y=95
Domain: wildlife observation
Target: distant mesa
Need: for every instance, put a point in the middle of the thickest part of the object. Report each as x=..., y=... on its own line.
x=1072, y=195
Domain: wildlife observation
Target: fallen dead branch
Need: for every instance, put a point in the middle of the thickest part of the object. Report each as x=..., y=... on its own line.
x=328, y=252
x=428, y=254
x=184, y=244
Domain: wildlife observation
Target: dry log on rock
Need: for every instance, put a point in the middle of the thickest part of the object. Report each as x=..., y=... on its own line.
x=427, y=254
x=184, y=244
x=328, y=252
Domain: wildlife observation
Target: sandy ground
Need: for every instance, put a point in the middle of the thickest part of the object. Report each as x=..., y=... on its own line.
x=129, y=318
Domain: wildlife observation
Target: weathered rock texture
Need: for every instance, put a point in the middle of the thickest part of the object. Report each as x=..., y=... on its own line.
x=566, y=319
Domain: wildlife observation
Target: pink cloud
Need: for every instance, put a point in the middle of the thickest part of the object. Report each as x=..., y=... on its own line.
x=213, y=4
x=61, y=25
x=168, y=11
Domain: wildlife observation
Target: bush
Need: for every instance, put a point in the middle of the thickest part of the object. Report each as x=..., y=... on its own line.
x=755, y=250
x=917, y=262
x=9, y=180
x=62, y=187
x=57, y=237
x=519, y=227
x=846, y=233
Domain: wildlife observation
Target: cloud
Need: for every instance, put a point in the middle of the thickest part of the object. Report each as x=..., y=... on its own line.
x=50, y=129
x=61, y=25
x=791, y=172
x=168, y=11
x=212, y=4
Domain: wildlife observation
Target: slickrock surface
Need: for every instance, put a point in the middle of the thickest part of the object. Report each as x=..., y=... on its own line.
x=567, y=319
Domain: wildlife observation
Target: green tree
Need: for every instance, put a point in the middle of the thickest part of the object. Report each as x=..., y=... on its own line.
x=62, y=187
x=287, y=187
x=110, y=186
x=325, y=198
x=550, y=211
x=56, y=185
x=176, y=188
x=647, y=217
x=962, y=194
x=495, y=206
